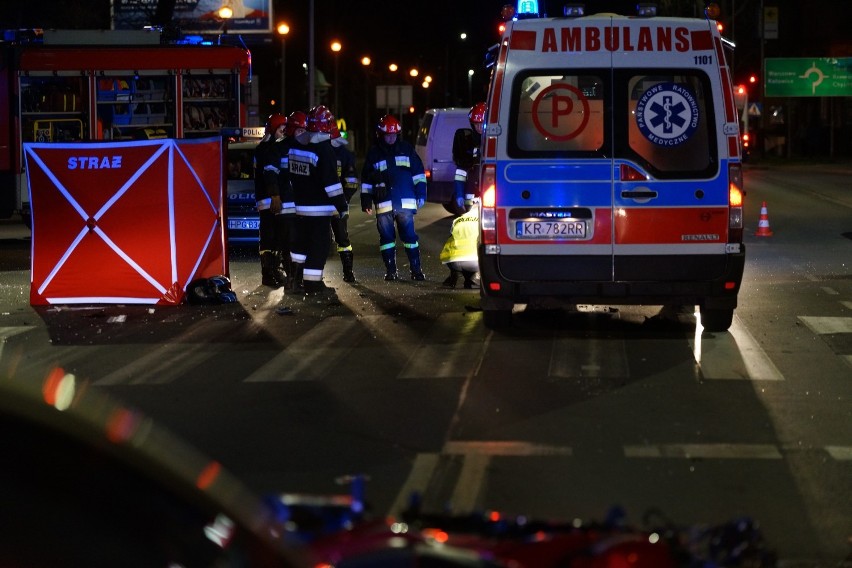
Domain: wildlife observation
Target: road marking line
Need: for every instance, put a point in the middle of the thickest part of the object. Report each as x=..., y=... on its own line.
x=11, y=331
x=163, y=365
x=417, y=482
x=588, y=357
x=735, y=355
x=847, y=305
x=704, y=451
x=392, y=332
x=504, y=448
x=840, y=453
x=830, y=291
x=452, y=348
x=314, y=354
x=470, y=483
x=824, y=325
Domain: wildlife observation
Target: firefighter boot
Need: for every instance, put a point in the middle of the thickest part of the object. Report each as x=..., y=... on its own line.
x=318, y=288
x=347, y=258
x=298, y=282
x=452, y=279
x=389, y=256
x=287, y=267
x=414, y=263
x=271, y=275
x=470, y=280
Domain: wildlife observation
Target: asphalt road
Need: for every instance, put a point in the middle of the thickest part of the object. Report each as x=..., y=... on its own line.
x=563, y=415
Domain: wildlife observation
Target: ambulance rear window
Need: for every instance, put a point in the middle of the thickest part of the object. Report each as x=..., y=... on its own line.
x=669, y=122
x=555, y=112
x=662, y=119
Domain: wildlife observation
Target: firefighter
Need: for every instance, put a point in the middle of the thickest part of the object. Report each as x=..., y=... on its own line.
x=268, y=190
x=394, y=184
x=348, y=174
x=297, y=122
x=318, y=195
x=466, y=142
x=459, y=252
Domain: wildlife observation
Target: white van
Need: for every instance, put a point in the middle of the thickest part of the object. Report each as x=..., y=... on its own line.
x=434, y=145
x=611, y=168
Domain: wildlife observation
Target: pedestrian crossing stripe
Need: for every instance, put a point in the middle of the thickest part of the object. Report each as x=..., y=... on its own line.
x=314, y=354
x=704, y=451
x=826, y=325
x=477, y=456
x=11, y=331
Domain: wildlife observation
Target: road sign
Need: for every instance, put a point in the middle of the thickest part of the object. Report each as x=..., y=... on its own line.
x=809, y=77
x=770, y=22
x=395, y=98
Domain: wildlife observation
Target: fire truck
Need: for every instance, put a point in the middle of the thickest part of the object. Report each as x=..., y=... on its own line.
x=92, y=85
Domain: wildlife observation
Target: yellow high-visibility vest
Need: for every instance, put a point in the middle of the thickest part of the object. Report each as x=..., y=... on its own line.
x=461, y=246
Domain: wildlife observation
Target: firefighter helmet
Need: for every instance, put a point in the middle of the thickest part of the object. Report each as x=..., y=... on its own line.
x=275, y=121
x=477, y=114
x=212, y=290
x=388, y=124
x=320, y=119
x=297, y=119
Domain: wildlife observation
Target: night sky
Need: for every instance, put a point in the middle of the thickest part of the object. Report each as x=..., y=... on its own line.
x=426, y=35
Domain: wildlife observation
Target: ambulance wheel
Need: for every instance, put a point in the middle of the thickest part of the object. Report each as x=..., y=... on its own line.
x=716, y=319
x=497, y=319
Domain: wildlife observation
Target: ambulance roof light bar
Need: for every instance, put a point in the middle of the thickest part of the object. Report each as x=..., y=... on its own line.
x=574, y=10
x=646, y=10
x=527, y=9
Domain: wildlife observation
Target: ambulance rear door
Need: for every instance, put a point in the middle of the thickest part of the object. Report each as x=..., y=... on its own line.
x=554, y=170
x=670, y=194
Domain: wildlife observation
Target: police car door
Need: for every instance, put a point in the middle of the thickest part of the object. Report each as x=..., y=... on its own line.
x=670, y=196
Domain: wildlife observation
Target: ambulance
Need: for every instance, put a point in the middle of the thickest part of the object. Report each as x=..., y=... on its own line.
x=611, y=169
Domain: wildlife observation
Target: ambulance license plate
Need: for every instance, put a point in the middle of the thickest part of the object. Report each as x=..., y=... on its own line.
x=244, y=224
x=551, y=229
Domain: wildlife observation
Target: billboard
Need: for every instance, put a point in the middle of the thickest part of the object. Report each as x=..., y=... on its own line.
x=809, y=77
x=199, y=16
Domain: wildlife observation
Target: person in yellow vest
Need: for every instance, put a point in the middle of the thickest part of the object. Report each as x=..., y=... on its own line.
x=459, y=252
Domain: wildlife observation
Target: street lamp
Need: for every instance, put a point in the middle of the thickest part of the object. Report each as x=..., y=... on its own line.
x=366, y=62
x=336, y=47
x=283, y=30
x=470, y=86
x=225, y=14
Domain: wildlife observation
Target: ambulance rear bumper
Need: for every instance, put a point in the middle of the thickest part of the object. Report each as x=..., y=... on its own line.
x=718, y=292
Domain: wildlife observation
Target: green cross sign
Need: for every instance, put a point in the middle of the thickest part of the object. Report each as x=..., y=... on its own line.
x=808, y=77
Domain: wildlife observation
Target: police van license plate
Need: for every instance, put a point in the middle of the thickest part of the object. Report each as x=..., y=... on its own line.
x=243, y=224
x=551, y=229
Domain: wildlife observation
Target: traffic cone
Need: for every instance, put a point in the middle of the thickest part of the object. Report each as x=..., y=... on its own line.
x=763, y=229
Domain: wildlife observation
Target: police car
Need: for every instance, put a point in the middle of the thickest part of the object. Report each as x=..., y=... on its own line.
x=611, y=169
x=243, y=220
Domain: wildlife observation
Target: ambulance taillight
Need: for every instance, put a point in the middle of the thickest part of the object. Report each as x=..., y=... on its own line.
x=735, y=203
x=488, y=210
